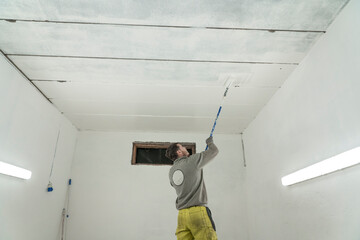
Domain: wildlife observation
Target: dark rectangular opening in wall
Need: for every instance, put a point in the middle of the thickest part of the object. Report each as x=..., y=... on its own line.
x=153, y=153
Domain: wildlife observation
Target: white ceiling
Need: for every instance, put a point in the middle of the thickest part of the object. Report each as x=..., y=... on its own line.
x=121, y=65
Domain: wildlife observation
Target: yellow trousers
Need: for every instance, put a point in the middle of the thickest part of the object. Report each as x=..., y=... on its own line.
x=195, y=223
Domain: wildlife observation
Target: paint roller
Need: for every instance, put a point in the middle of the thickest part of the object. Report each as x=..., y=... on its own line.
x=227, y=83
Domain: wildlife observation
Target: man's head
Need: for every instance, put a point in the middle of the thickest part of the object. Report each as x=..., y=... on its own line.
x=175, y=151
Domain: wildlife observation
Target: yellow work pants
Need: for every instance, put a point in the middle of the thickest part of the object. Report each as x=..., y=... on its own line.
x=195, y=223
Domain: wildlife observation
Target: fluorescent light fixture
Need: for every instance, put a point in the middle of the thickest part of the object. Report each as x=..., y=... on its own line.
x=14, y=171
x=338, y=162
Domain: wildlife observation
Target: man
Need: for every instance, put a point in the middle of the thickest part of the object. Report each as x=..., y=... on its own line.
x=186, y=176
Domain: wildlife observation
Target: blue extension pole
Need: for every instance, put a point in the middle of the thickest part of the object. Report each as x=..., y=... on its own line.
x=217, y=116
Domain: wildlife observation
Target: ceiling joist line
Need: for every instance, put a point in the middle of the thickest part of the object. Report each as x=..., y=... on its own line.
x=162, y=26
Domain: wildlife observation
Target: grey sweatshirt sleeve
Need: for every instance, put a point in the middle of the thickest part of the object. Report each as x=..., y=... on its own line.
x=208, y=155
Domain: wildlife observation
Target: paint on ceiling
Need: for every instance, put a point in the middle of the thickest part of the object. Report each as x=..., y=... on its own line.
x=160, y=65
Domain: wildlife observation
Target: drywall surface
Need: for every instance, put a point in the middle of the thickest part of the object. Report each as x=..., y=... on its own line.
x=29, y=126
x=112, y=199
x=314, y=116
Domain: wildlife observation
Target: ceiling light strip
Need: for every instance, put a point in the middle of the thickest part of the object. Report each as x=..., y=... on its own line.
x=14, y=171
x=338, y=162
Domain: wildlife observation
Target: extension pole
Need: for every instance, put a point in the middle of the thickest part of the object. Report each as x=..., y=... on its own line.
x=217, y=116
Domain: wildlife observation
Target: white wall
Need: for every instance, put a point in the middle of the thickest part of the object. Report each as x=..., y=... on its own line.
x=315, y=115
x=112, y=199
x=29, y=126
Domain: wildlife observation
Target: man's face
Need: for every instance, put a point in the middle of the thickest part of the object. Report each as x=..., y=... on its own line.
x=182, y=151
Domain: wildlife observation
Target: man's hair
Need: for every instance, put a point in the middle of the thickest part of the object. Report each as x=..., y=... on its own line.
x=171, y=151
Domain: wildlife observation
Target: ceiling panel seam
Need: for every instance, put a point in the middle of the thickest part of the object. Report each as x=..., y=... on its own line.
x=24, y=75
x=151, y=116
x=272, y=30
x=151, y=59
x=138, y=84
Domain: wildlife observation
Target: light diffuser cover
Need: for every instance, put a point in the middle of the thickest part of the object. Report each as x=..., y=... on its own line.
x=14, y=171
x=338, y=162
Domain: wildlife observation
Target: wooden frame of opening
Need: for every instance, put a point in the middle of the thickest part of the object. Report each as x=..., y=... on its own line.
x=157, y=145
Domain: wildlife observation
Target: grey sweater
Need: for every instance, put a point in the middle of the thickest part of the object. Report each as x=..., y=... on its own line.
x=186, y=176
